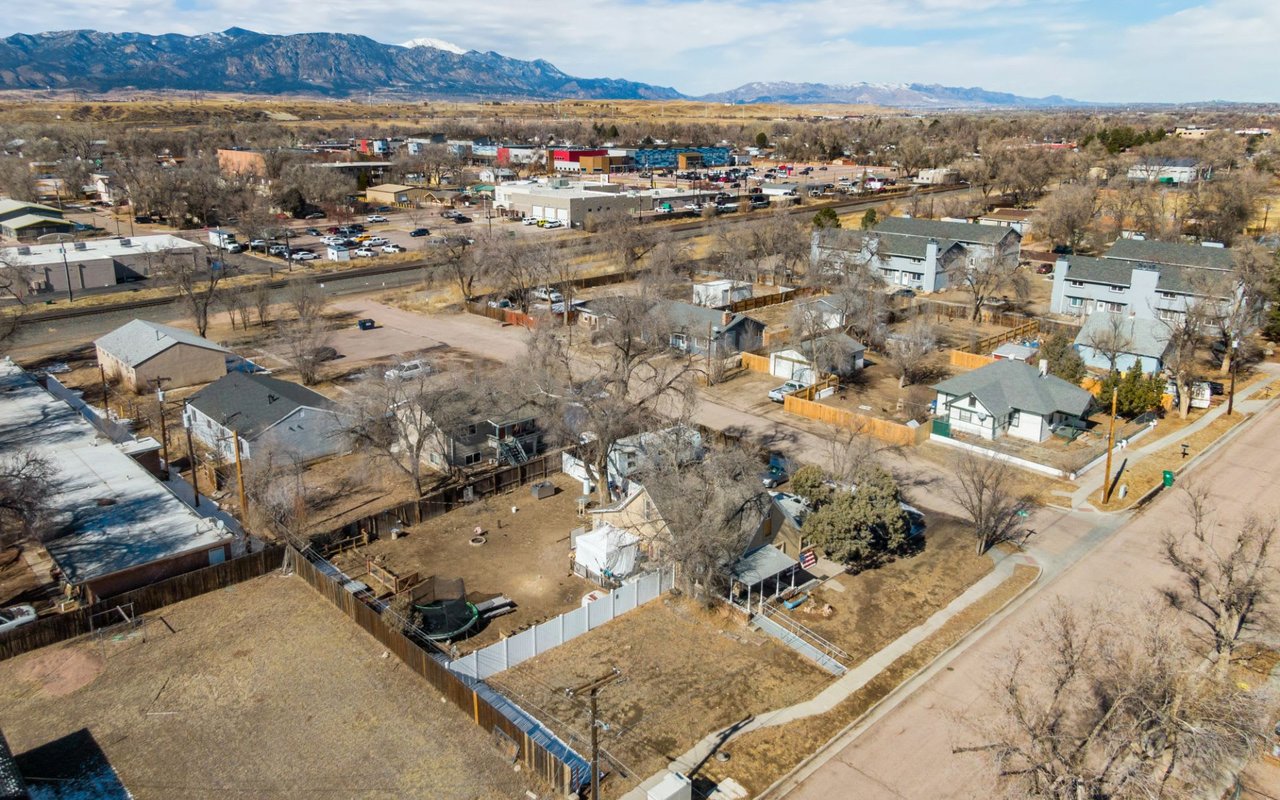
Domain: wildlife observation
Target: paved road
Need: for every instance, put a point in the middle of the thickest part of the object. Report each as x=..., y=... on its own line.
x=883, y=758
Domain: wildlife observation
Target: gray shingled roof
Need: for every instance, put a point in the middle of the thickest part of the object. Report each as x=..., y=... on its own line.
x=1005, y=386
x=139, y=341
x=966, y=232
x=249, y=404
x=1147, y=337
x=1186, y=255
x=686, y=316
x=1173, y=278
x=913, y=247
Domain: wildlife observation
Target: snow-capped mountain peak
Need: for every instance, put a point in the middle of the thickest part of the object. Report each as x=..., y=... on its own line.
x=435, y=44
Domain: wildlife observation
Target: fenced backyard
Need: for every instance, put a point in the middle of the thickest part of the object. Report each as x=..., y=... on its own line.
x=60, y=627
x=539, y=639
x=536, y=748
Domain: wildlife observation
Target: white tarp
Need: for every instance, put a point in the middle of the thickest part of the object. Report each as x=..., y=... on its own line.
x=607, y=550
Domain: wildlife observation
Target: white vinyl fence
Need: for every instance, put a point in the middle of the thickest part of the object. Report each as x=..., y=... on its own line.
x=540, y=638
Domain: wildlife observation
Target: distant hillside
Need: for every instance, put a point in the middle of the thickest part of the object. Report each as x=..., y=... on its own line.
x=896, y=95
x=334, y=64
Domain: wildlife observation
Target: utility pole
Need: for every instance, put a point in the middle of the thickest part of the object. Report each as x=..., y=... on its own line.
x=164, y=428
x=244, y=507
x=593, y=687
x=191, y=452
x=1231, y=396
x=106, y=394
x=1111, y=441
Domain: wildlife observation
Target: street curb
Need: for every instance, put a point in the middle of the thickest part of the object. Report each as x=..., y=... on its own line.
x=901, y=691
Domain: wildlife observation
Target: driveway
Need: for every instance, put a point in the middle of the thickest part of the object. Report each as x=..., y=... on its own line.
x=474, y=334
x=883, y=756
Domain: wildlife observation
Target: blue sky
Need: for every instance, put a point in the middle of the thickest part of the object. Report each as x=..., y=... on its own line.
x=1122, y=50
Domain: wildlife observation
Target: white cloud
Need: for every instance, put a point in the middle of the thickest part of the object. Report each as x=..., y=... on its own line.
x=1218, y=49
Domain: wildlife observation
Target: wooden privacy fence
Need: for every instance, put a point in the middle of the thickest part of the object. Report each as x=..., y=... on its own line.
x=963, y=360
x=537, y=749
x=1023, y=331
x=445, y=500
x=755, y=363
x=766, y=300
x=60, y=627
x=882, y=429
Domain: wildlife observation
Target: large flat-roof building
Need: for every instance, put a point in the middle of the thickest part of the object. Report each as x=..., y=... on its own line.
x=117, y=528
x=93, y=263
x=569, y=203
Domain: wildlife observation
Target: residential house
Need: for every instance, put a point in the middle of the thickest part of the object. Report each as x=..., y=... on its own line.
x=508, y=440
x=717, y=293
x=269, y=415
x=27, y=222
x=1010, y=398
x=1133, y=338
x=695, y=329
x=1017, y=218
x=820, y=314
x=980, y=242
x=633, y=455
x=145, y=355
x=1173, y=171
x=1150, y=280
x=117, y=527
x=92, y=263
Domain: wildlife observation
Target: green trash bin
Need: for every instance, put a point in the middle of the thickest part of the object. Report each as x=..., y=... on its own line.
x=1168, y=477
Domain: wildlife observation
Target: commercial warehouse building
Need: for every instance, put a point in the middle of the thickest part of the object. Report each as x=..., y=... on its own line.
x=569, y=203
x=93, y=263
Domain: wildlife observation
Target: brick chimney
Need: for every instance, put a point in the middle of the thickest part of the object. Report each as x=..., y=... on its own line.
x=726, y=318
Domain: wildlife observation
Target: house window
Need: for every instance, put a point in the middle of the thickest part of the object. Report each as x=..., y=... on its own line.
x=679, y=341
x=1014, y=418
x=1114, y=308
x=472, y=458
x=1116, y=289
x=1169, y=295
x=1169, y=314
x=1076, y=284
x=973, y=401
x=964, y=416
x=1075, y=302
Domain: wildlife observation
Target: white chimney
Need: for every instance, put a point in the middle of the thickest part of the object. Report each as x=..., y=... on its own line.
x=1044, y=367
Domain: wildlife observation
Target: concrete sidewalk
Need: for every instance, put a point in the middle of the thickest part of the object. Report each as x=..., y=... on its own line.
x=1243, y=404
x=843, y=687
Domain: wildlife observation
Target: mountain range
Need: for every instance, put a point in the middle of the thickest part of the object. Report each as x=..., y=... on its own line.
x=338, y=64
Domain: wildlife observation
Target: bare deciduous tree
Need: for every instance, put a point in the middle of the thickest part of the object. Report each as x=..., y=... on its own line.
x=1099, y=706
x=1225, y=580
x=1067, y=216
x=27, y=491
x=908, y=352
x=1111, y=339
x=709, y=509
x=988, y=277
x=305, y=342
x=197, y=282
x=262, y=302
x=624, y=236
x=630, y=379
x=986, y=490
x=306, y=299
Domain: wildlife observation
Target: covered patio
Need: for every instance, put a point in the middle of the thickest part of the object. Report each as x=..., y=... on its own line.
x=762, y=574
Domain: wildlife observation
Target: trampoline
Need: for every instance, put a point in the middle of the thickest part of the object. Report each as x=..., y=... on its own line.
x=447, y=619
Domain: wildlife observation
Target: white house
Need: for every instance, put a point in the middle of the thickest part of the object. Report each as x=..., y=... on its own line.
x=723, y=292
x=1010, y=398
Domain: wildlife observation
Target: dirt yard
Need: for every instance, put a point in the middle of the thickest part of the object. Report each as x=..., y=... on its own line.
x=525, y=557
x=877, y=606
x=685, y=673
x=262, y=690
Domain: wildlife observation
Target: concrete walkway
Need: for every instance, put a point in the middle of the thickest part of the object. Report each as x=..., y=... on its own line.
x=842, y=687
x=1243, y=404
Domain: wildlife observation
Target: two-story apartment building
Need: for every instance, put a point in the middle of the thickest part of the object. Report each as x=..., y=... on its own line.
x=508, y=440
x=918, y=253
x=1145, y=279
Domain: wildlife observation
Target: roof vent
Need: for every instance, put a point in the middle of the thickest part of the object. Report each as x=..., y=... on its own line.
x=24, y=250
x=81, y=246
x=126, y=242
x=105, y=501
x=271, y=398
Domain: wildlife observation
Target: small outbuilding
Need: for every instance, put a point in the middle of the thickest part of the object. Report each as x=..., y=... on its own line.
x=143, y=355
x=606, y=554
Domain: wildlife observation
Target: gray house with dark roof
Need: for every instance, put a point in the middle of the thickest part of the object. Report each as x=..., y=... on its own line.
x=1134, y=339
x=695, y=329
x=1010, y=398
x=267, y=413
x=1145, y=279
x=917, y=253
